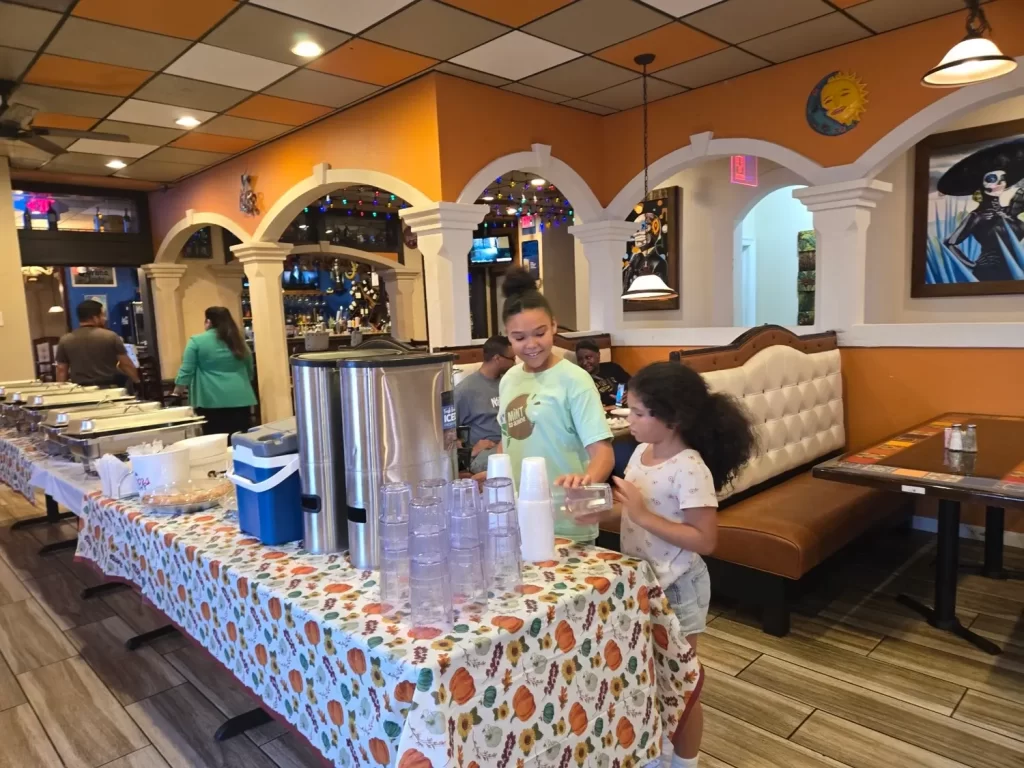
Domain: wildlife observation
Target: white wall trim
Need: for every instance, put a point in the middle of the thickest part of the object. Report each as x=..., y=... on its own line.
x=990, y=335
x=178, y=235
x=540, y=161
x=973, y=532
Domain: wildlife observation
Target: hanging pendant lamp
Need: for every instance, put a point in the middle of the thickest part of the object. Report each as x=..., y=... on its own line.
x=973, y=59
x=647, y=286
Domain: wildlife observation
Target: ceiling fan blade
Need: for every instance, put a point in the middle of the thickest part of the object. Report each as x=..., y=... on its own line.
x=39, y=142
x=73, y=134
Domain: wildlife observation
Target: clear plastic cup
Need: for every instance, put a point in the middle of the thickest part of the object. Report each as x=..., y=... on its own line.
x=464, y=531
x=429, y=543
x=430, y=593
x=437, y=487
x=393, y=512
x=499, y=490
x=502, y=518
x=533, y=480
x=504, y=562
x=394, y=577
x=428, y=514
x=466, y=567
x=588, y=500
x=465, y=499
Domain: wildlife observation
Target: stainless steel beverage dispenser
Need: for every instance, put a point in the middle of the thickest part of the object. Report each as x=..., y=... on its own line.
x=377, y=413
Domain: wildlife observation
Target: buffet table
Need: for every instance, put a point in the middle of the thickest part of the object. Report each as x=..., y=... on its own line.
x=18, y=454
x=587, y=660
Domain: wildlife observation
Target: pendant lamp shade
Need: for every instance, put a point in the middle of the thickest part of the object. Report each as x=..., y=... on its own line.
x=972, y=60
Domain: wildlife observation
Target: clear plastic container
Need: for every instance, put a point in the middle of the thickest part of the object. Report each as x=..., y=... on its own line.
x=588, y=500
x=186, y=497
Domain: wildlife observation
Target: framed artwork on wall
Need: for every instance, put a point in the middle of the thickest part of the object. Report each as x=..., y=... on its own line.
x=93, y=277
x=968, y=200
x=100, y=298
x=654, y=249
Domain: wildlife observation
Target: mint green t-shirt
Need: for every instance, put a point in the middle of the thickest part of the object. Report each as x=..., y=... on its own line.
x=554, y=414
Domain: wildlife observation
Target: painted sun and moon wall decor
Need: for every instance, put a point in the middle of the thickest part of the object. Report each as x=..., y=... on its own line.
x=837, y=103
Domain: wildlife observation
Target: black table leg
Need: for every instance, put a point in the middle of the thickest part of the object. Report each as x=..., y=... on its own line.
x=52, y=517
x=943, y=615
x=102, y=589
x=995, y=525
x=136, y=642
x=238, y=724
x=58, y=546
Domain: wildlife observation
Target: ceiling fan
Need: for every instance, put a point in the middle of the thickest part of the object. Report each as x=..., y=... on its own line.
x=16, y=124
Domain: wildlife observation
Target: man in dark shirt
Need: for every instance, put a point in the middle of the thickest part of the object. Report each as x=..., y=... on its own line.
x=607, y=376
x=91, y=354
x=476, y=401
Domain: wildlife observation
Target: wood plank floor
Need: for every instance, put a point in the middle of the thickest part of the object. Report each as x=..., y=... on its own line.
x=860, y=682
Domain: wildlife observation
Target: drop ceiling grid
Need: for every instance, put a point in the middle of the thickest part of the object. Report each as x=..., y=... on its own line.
x=583, y=53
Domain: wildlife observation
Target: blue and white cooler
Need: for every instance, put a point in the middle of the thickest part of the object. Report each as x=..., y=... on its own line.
x=266, y=478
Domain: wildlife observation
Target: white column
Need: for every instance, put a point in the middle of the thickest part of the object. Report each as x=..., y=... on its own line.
x=445, y=234
x=842, y=215
x=604, y=245
x=263, y=264
x=164, y=280
x=401, y=287
x=228, y=278
x=16, y=362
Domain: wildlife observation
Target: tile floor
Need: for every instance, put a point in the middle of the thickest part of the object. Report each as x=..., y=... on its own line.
x=859, y=682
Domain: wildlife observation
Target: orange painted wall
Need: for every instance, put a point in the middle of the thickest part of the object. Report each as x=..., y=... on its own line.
x=770, y=104
x=395, y=133
x=478, y=124
x=635, y=358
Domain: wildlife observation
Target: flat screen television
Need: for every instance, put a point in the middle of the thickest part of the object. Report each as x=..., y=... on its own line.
x=490, y=250
x=298, y=276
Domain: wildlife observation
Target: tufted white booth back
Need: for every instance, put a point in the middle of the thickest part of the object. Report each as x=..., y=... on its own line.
x=795, y=401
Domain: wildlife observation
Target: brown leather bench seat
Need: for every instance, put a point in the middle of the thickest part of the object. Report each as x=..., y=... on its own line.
x=789, y=528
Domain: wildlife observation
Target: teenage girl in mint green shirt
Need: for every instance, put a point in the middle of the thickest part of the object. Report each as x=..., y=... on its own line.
x=549, y=407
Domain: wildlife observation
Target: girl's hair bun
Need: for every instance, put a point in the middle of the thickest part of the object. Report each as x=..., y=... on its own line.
x=518, y=282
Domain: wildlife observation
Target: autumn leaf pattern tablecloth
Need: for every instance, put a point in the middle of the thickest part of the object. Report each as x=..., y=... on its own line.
x=587, y=667
x=17, y=453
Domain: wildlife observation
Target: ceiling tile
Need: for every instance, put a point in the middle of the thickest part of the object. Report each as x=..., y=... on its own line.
x=151, y=113
x=586, y=106
x=318, y=88
x=185, y=92
x=143, y=134
x=188, y=156
x=349, y=16
x=679, y=8
x=515, y=55
x=670, y=44
x=13, y=63
x=219, y=65
x=720, y=65
x=261, y=32
x=809, y=37
x=95, y=41
x=535, y=93
x=57, y=120
x=739, y=20
x=370, y=63
x=470, y=74
x=847, y=3
x=589, y=25
x=209, y=142
x=883, y=15
x=60, y=6
x=111, y=148
x=157, y=170
x=276, y=110
x=513, y=14
x=431, y=29
x=68, y=102
x=77, y=75
x=580, y=77
x=80, y=162
x=178, y=18
x=25, y=28
x=242, y=128
x=631, y=94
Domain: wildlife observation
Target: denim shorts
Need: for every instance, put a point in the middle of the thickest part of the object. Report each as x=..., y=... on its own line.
x=690, y=596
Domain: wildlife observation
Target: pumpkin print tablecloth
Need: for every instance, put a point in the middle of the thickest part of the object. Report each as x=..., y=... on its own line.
x=587, y=667
x=17, y=453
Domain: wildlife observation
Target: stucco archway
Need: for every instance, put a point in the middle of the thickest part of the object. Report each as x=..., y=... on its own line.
x=179, y=234
x=704, y=147
x=323, y=181
x=539, y=160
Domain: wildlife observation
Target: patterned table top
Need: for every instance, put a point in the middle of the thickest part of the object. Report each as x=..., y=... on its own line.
x=586, y=667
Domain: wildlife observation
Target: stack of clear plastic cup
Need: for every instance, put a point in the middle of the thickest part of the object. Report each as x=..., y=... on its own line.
x=466, y=556
x=430, y=507
x=499, y=490
x=465, y=500
x=501, y=549
x=430, y=591
x=395, y=499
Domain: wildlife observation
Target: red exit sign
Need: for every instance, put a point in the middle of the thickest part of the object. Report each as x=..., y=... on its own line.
x=743, y=170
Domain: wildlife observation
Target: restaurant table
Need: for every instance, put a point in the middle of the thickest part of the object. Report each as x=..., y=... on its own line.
x=916, y=462
x=586, y=666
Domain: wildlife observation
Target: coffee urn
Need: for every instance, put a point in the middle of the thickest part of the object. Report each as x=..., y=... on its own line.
x=377, y=413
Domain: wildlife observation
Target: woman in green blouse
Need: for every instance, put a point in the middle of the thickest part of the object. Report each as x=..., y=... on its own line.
x=217, y=371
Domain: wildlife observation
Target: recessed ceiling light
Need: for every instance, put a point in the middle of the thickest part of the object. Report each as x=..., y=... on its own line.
x=487, y=198
x=303, y=226
x=511, y=211
x=538, y=182
x=117, y=164
x=187, y=121
x=307, y=49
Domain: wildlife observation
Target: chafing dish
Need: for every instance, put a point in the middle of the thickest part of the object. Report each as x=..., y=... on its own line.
x=37, y=406
x=9, y=392
x=56, y=420
x=6, y=385
x=88, y=439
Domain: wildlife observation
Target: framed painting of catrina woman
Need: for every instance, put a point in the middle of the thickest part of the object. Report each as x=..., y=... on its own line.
x=968, y=203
